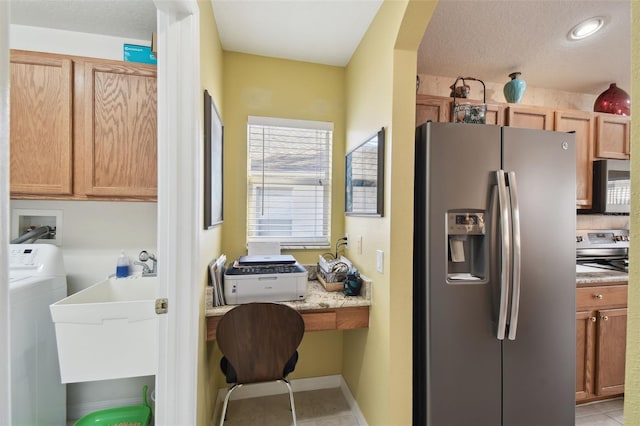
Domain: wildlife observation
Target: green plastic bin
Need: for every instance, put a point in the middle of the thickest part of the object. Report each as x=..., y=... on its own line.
x=134, y=415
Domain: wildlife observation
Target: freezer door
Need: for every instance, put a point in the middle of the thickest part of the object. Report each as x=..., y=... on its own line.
x=539, y=365
x=462, y=352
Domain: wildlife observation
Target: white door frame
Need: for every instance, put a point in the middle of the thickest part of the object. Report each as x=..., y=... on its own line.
x=5, y=354
x=179, y=209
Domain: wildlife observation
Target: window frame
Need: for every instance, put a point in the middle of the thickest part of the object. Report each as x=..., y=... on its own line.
x=291, y=179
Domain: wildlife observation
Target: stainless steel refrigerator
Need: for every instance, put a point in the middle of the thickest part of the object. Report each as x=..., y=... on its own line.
x=494, y=276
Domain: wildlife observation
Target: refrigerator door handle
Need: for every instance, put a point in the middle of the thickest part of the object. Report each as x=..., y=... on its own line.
x=517, y=255
x=505, y=264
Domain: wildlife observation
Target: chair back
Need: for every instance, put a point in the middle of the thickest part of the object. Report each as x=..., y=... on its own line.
x=258, y=339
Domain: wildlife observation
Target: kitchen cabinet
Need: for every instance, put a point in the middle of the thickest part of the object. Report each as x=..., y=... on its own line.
x=41, y=124
x=601, y=320
x=582, y=123
x=529, y=117
x=495, y=114
x=613, y=135
x=434, y=108
x=438, y=109
x=82, y=128
x=119, y=135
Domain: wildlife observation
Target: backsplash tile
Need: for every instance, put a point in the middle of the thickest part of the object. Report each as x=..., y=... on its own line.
x=595, y=221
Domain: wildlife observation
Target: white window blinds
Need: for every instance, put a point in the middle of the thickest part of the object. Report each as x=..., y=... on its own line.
x=289, y=181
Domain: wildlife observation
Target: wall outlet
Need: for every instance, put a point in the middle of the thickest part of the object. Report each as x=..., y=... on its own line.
x=379, y=261
x=347, y=245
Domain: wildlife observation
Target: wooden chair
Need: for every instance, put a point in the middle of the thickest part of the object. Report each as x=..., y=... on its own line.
x=259, y=342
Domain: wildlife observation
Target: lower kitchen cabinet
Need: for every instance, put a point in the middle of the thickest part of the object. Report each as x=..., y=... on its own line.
x=601, y=329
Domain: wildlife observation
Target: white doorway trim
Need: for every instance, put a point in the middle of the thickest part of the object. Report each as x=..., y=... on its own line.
x=178, y=209
x=5, y=360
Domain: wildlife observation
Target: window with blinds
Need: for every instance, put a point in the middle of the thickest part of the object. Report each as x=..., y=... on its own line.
x=289, y=181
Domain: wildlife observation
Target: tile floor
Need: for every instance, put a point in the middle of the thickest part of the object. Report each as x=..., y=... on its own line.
x=605, y=413
x=324, y=407
x=328, y=407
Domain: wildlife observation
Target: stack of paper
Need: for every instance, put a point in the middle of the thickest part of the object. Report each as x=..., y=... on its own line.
x=216, y=272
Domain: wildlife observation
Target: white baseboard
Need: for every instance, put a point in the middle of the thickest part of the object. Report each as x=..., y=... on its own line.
x=355, y=408
x=298, y=385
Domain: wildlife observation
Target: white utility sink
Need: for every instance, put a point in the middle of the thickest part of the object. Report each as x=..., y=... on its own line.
x=108, y=331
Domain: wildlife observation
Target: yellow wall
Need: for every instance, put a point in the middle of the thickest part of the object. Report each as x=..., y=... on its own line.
x=210, y=240
x=632, y=382
x=381, y=92
x=260, y=86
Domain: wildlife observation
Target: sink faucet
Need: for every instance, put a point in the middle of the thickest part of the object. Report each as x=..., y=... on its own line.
x=146, y=271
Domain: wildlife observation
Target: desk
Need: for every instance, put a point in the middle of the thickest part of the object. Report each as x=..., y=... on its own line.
x=321, y=310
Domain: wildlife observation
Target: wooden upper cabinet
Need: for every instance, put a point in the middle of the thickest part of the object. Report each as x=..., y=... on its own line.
x=613, y=135
x=434, y=108
x=120, y=128
x=582, y=123
x=41, y=124
x=495, y=114
x=530, y=117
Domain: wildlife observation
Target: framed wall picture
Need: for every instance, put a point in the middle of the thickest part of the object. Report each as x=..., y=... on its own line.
x=364, y=178
x=213, y=143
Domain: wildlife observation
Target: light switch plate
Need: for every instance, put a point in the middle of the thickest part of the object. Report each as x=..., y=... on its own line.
x=379, y=260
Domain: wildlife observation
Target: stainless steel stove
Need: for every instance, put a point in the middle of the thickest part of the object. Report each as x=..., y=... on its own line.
x=602, y=249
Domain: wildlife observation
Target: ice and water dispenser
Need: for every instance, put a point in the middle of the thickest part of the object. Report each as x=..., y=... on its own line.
x=466, y=247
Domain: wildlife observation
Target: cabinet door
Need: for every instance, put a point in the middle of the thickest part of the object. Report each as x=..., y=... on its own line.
x=120, y=130
x=41, y=124
x=581, y=122
x=432, y=108
x=611, y=348
x=495, y=114
x=585, y=353
x=530, y=117
x=613, y=133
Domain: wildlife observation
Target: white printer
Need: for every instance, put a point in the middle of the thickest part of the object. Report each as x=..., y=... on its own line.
x=265, y=278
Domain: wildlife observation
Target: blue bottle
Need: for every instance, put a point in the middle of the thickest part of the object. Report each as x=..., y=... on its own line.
x=122, y=268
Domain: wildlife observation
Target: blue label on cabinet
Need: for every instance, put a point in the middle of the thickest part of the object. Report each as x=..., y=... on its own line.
x=133, y=53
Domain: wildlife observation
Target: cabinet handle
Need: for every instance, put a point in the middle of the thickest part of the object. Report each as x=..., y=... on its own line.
x=593, y=319
x=597, y=296
x=604, y=318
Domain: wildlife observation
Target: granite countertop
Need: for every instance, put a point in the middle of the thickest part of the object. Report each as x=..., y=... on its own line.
x=593, y=276
x=317, y=298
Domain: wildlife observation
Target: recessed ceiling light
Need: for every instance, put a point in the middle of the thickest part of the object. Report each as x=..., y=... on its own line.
x=586, y=28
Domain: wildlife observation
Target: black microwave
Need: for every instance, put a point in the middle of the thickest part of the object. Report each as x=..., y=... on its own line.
x=611, y=187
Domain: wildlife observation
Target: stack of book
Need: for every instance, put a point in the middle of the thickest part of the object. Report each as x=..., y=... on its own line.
x=216, y=272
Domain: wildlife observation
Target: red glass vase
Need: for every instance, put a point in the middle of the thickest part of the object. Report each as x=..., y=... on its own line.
x=614, y=100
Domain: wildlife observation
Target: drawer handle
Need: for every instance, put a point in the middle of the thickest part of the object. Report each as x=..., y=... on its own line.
x=604, y=318
x=593, y=319
x=597, y=296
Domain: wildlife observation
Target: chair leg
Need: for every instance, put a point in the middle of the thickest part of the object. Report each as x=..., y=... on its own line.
x=226, y=402
x=293, y=405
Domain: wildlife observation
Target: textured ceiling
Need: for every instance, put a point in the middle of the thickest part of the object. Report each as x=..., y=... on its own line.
x=491, y=39
x=487, y=39
x=122, y=18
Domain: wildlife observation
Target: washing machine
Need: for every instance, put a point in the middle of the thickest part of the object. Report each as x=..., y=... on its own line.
x=37, y=279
